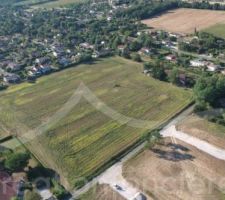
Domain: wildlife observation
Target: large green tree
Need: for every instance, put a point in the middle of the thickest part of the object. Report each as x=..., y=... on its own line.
x=16, y=161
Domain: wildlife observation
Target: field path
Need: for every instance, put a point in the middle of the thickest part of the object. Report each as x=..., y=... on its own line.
x=200, y=144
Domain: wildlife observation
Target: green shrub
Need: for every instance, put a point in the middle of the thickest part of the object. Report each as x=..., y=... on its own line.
x=16, y=161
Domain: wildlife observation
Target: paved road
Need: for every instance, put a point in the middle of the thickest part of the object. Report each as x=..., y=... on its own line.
x=200, y=144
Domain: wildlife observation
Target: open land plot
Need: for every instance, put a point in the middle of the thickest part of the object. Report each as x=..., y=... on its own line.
x=101, y=192
x=185, y=21
x=85, y=139
x=175, y=170
x=56, y=3
x=217, y=30
x=204, y=130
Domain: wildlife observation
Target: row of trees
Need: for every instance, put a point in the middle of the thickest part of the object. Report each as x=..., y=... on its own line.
x=148, y=9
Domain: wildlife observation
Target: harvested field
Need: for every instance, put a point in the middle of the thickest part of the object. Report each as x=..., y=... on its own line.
x=101, y=192
x=185, y=21
x=77, y=141
x=204, y=130
x=175, y=170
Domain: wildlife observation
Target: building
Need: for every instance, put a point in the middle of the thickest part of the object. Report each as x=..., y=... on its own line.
x=42, y=60
x=121, y=48
x=86, y=45
x=145, y=51
x=118, y=2
x=197, y=63
x=8, y=187
x=13, y=67
x=211, y=67
x=171, y=58
x=64, y=62
x=11, y=78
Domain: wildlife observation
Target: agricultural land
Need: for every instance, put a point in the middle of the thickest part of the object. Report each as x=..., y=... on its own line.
x=203, y=129
x=217, y=30
x=186, y=21
x=101, y=192
x=175, y=170
x=79, y=142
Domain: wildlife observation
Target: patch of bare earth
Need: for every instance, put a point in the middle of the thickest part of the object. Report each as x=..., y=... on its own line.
x=185, y=21
x=203, y=129
x=175, y=170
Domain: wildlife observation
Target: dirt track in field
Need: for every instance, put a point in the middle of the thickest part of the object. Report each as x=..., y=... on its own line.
x=184, y=21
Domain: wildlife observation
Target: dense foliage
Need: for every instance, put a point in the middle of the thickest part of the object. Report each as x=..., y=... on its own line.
x=209, y=90
x=32, y=195
x=147, y=9
x=16, y=161
x=204, y=43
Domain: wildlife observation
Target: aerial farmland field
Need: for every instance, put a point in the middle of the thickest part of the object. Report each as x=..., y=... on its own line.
x=56, y=3
x=186, y=21
x=78, y=140
x=176, y=170
x=217, y=30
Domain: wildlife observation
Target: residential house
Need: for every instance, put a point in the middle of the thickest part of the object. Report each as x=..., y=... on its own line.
x=197, y=63
x=43, y=60
x=145, y=51
x=8, y=186
x=11, y=78
x=45, y=69
x=121, y=48
x=64, y=61
x=182, y=79
x=147, y=72
x=211, y=67
x=34, y=71
x=86, y=45
x=171, y=58
x=13, y=67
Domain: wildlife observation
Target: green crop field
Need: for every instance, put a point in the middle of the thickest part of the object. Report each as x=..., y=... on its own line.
x=217, y=30
x=82, y=141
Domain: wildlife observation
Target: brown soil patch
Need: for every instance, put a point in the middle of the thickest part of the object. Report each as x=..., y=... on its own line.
x=101, y=192
x=177, y=171
x=184, y=21
x=204, y=130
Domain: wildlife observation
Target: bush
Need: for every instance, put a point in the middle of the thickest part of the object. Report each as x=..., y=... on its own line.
x=16, y=161
x=58, y=191
x=136, y=57
x=3, y=87
x=31, y=195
